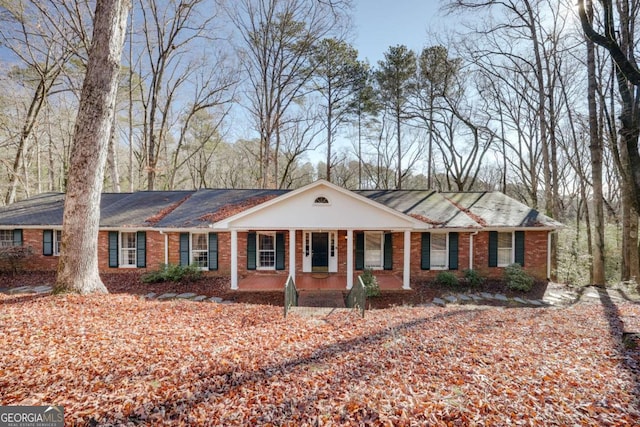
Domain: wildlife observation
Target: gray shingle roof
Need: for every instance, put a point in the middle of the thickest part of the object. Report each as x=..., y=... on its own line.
x=203, y=205
x=43, y=209
x=495, y=209
x=194, y=209
x=425, y=205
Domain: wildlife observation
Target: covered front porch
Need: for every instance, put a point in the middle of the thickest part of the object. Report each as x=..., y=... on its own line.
x=323, y=236
x=312, y=281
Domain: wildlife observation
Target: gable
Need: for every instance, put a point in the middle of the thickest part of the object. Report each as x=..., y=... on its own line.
x=320, y=206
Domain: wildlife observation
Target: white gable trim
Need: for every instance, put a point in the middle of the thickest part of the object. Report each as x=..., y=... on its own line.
x=403, y=222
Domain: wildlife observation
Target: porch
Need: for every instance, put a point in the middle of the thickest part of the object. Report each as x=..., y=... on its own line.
x=311, y=281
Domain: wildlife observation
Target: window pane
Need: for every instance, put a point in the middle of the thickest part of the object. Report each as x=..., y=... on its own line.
x=504, y=240
x=438, y=259
x=128, y=249
x=504, y=257
x=200, y=259
x=199, y=242
x=266, y=242
x=57, y=238
x=6, y=238
x=266, y=251
x=200, y=250
x=267, y=259
x=438, y=242
x=373, y=250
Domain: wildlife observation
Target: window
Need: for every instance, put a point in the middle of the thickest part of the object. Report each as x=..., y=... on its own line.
x=505, y=249
x=57, y=238
x=266, y=251
x=321, y=200
x=438, y=251
x=6, y=238
x=373, y=250
x=200, y=250
x=128, y=249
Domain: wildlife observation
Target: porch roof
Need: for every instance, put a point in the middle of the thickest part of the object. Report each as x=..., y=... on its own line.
x=321, y=205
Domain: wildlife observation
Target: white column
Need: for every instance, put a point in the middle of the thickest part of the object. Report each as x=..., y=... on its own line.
x=292, y=254
x=349, y=259
x=234, y=259
x=406, y=274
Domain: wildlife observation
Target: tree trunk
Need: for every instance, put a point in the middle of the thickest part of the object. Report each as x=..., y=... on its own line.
x=595, y=146
x=78, y=264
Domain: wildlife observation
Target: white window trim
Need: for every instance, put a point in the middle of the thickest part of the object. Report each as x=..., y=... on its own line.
x=513, y=245
x=258, y=251
x=56, y=242
x=121, y=250
x=192, y=250
x=446, y=252
x=381, y=266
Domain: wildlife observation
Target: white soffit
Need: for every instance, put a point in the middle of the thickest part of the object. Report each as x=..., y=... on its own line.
x=298, y=210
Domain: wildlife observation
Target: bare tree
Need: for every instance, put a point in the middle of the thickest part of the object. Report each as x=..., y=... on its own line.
x=618, y=38
x=277, y=38
x=78, y=264
x=170, y=30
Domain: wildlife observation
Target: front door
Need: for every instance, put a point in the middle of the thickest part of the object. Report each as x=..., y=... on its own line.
x=319, y=251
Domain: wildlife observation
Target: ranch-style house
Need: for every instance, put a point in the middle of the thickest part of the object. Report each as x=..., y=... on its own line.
x=318, y=230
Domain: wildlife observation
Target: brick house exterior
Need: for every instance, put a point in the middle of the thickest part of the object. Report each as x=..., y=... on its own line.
x=409, y=234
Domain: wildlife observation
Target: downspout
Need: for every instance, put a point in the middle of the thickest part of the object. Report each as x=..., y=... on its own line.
x=475, y=233
x=549, y=234
x=166, y=246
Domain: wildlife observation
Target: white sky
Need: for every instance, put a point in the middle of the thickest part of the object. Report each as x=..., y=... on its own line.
x=383, y=23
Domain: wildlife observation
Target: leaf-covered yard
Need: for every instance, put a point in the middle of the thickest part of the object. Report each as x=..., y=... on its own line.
x=119, y=359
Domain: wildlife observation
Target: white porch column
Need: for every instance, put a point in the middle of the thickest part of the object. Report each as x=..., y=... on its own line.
x=292, y=254
x=406, y=274
x=349, y=259
x=234, y=259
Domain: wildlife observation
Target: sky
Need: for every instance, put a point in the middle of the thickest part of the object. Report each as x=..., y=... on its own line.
x=384, y=23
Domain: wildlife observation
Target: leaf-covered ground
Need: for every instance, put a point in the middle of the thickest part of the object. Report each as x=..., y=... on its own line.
x=121, y=360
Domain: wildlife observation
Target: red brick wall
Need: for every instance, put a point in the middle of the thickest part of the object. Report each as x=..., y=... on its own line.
x=535, y=250
x=39, y=262
x=535, y=254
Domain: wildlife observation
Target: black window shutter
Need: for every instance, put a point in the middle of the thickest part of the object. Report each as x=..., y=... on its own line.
x=47, y=242
x=251, y=251
x=425, y=251
x=184, y=249
x=360, y=251
x=519, y=252
x=388, y=251
x=17, y=237
x=493, y=249
x=113, y=249
x=213, y=251
x=453, y=251
x=279, y=251
x=141, y=249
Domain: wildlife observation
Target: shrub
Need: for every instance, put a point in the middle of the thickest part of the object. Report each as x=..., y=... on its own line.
x=447, y=278
x=370, y=283
x=517, y=279
x=474, y=278
x=173, y=273
x=13, y=258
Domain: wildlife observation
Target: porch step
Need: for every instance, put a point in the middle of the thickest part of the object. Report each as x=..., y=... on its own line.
x=320, y=298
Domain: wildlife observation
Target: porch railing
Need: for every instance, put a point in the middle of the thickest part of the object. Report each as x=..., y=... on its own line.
x=290, y=295
x=357, y=296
